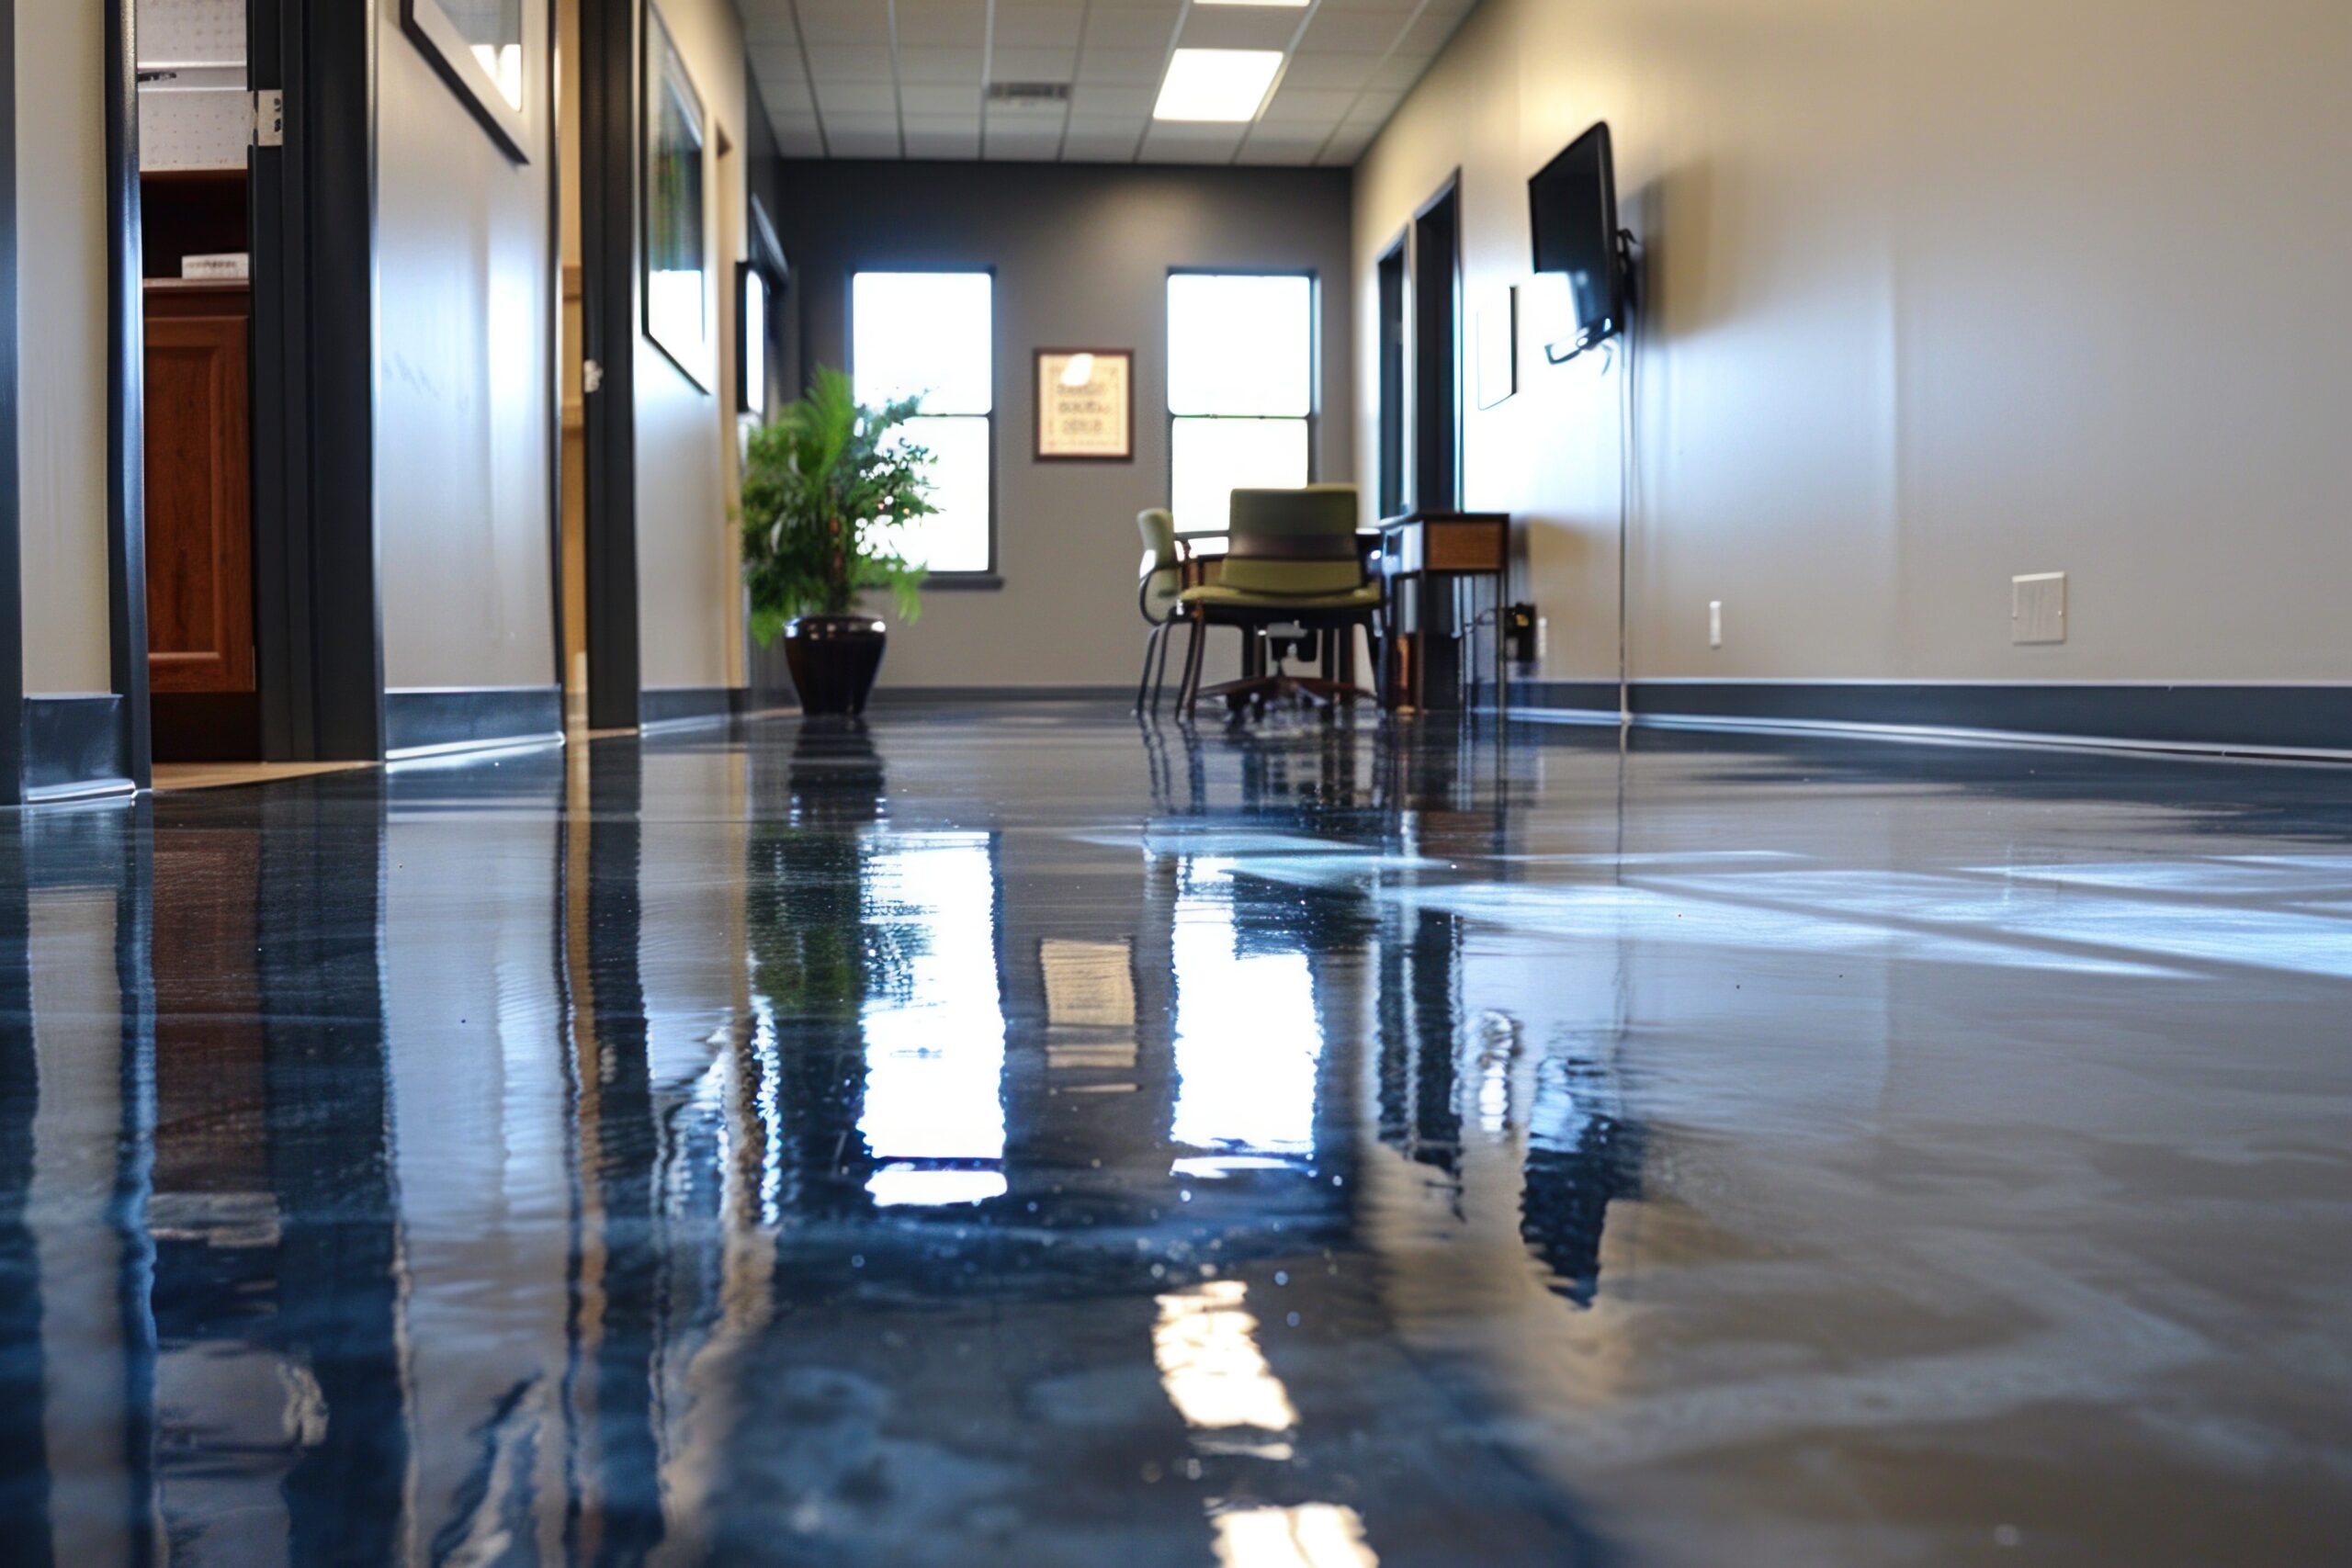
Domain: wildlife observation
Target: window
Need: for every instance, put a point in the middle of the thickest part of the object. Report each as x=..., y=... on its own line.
x=934, y=334
x=1241, y=390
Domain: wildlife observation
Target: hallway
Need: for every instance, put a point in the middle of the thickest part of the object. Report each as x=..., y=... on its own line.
x=1000, y=1134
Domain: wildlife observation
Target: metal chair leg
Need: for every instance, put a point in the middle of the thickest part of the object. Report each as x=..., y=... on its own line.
x=1159, y=677
x=1189, y=693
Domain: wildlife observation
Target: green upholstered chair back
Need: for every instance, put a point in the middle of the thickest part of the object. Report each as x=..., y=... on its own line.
x=1161, y=576
x=1294, y=541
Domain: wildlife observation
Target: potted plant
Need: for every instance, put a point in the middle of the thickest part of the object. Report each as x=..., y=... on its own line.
x=826, y=483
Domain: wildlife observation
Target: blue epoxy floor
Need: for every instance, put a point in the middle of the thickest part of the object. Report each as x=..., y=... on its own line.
x=1014, y=1137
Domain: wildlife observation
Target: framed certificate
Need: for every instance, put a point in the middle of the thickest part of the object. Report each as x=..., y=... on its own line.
x=1086, y=407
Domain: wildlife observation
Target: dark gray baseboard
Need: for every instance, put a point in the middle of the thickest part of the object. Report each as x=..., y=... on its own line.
x=449, y=718
x=1578, y=696
x=886, y=696
x=685, y=704
x=2234, y=718
x=76, y=746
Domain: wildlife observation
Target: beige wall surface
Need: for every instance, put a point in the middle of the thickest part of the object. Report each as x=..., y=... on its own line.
x=1081, y=256
x=465, y=410
x=61, y=327
x=689, y=615
x=1939, y=295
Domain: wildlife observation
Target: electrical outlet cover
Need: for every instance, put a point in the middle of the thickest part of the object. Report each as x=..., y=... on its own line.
x=2038, y=607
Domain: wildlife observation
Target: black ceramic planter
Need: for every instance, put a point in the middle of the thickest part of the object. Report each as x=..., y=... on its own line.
x=834, y=660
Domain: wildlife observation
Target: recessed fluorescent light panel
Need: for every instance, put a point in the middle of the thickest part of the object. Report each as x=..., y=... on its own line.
x=1291, y=5
x=1219, y=85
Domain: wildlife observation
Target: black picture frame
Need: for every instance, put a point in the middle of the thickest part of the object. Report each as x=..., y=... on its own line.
x=440, y=39
x=667, y=83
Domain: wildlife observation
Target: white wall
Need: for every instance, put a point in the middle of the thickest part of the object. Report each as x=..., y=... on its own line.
x=61, y=338
x=465, y=402
x=690, y=620
x=1939, y=295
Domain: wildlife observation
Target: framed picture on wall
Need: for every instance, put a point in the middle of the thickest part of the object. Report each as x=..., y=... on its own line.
x=477, y=45
x=1495, y=343
x=1086, y=408
x=677, y=253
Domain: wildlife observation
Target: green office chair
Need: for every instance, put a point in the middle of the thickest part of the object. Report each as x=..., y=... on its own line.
x=1159, y=580
x=1291, y=561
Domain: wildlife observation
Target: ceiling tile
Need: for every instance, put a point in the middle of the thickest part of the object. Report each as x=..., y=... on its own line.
x=959, y=144
x=929, y=98
x=1033, y=64
x=864, y=143
x=1327, y=68
x=849, y=62
x=1142, y=66
x=932, y=64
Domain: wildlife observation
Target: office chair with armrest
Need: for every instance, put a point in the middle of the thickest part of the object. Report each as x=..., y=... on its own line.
x=1291, y=561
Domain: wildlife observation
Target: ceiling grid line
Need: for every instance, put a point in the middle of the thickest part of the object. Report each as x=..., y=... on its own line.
x=1290, y=53
x=808, y=74
x=897, y=85
x=1077, y=62
x=1175, y=34
x=988, y=74
x=1386, y=55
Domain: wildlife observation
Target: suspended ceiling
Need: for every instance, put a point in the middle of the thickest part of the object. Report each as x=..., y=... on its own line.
x=914, y=78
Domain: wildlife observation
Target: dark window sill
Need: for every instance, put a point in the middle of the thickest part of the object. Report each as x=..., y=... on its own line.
x=962, y=581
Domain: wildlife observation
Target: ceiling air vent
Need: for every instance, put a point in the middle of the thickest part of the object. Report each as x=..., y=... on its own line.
x=1041, y=93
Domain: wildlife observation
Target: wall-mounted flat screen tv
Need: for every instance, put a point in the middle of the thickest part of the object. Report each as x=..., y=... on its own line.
x=1572, y=205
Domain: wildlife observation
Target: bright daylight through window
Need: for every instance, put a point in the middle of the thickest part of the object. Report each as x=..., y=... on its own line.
x=932, y=334
x=1241, y=388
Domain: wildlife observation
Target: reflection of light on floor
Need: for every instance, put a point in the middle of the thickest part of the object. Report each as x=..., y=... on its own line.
x=934, y=1052
x=1247, y=1040
x=932, y=1186
x=1314, y=1534
x=1206, y=1347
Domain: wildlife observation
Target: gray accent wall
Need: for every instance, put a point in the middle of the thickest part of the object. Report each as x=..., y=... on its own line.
x=1082, y=255
x=465, y=400
x=1939, y=295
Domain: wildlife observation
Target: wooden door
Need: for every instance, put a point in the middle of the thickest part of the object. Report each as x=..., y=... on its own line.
x=200, y=491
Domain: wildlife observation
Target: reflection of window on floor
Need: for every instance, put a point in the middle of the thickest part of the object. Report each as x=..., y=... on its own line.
x=1090, y=1015
x=1247, y=1044
x=933, y=1117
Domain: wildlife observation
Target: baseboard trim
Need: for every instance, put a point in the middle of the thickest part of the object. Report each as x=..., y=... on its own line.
x=885, y=696
x=431, y=721
x=663, y=706
x=2298, y=722
x=76, y=748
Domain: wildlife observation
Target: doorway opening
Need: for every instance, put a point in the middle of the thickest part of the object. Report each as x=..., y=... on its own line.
x=1392, y=379
x=197, y=129
x=1436, y=286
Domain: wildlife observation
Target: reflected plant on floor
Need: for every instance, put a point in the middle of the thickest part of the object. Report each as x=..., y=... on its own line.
x=827, y=484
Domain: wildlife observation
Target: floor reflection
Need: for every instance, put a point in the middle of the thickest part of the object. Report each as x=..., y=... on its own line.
x=929, y=1145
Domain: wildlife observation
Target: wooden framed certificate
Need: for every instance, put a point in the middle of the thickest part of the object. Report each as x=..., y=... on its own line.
x=1086, y=406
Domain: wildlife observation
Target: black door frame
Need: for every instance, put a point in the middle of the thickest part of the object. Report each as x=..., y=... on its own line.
x=1434, y=285
x=608, y=327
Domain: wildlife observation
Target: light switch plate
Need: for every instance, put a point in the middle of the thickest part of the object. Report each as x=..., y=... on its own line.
x=2038, y=607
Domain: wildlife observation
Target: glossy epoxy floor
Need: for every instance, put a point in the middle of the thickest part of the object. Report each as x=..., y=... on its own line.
x=1011, y=1137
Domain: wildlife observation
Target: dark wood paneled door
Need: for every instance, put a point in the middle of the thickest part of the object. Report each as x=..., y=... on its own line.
x=199, y=491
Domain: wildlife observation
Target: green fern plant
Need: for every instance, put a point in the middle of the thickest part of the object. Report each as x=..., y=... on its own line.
x=825, y=485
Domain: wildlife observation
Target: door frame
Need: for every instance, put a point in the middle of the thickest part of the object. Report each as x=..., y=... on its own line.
x=318, y=631
x=610, y=99
x=1436, y=380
